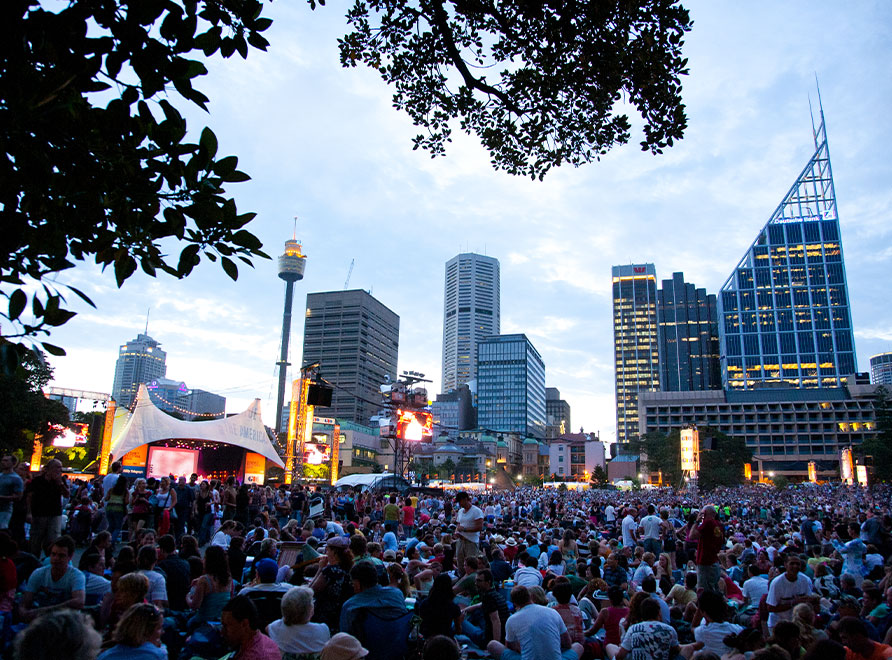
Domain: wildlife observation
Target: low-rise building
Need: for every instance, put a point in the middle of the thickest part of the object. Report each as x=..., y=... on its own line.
x=575, y=456
x=785, y=427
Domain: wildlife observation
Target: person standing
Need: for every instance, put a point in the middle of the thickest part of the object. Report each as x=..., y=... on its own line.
x=44, y=497
x=710, y=539
x=469, y=522
x=629, y=528
x=11, y=488
x=185, y=497
x=651, y=531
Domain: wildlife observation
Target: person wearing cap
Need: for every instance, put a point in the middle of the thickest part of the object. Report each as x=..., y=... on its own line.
x=469, y=522
x=343, y=647
x=266, y=572
x=510, y=549
x=369, y=596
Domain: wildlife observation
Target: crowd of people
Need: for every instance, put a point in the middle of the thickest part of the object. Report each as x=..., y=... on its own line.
x=115, y=568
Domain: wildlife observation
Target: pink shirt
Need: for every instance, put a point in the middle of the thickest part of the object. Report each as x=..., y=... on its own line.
x=260, y=648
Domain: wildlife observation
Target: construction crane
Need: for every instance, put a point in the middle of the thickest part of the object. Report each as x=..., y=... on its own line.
x=349, y=273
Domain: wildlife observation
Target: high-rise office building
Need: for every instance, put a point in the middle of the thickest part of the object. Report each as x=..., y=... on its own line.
x=470, y=313
x=881, y=369
x=784, y=313
x=510, y=386
x=139, y=361
x=635, y=344
x=689, y=337
x=355, y=339
x=557, y=414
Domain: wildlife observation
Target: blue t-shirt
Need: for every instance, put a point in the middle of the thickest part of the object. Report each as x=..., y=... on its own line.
x=49, y=592
x=390, y=541
x=146, y=651
x=10, y=484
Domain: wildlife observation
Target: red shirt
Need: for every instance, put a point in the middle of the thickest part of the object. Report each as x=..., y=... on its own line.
x=880, y=652
x=712, y=538
x=409, y=515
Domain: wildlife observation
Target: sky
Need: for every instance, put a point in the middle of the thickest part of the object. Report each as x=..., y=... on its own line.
x=325, y=145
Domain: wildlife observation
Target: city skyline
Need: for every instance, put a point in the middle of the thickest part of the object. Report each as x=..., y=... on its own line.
x=347, y=170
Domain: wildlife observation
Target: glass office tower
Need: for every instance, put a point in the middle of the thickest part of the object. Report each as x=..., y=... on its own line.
x=635, y=344
x=510, y=386
x=689, y=337
x=784, y=313
x=470, y=313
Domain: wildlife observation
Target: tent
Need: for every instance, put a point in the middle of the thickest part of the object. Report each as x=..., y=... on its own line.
x=149, y=424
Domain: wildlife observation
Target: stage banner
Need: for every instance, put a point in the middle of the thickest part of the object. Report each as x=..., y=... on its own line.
x=255, y=468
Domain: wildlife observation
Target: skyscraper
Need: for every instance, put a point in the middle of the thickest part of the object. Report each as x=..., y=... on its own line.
x=635, y=345
x=355, y=340
x=881, y=369
x=470, y=313
x=139, y=361
x=510, y=386
x=689, y=337
x=784, y=312
x=557, y=414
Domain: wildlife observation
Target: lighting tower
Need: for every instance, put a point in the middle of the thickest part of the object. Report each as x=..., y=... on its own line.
x=291, y=269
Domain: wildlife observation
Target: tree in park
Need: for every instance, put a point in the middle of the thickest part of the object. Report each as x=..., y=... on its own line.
x=878, y=449
x=25, y=413
x=99, y=165
x=722, y=466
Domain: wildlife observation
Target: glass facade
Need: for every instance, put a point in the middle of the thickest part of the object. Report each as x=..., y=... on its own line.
x=689, y=337
x=784, y=313
x=881, y=369
x=510, y=386
x=139, y=361
x=355, y=339
x=635, y=344
x=470, y=313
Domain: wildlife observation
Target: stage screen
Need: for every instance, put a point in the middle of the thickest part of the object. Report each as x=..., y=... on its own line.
x=164, y=461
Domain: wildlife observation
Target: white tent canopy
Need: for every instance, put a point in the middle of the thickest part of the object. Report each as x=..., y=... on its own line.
x=150, y=424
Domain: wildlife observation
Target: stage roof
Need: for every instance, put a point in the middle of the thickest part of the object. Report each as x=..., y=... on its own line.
x=150, y=424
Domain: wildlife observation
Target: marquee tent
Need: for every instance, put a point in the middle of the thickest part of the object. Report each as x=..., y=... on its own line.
x=149, y=424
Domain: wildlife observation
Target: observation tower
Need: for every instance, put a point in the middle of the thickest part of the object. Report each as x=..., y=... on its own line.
x=291, y=269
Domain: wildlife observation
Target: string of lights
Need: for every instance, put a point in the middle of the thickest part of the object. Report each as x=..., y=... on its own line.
x=182, y=410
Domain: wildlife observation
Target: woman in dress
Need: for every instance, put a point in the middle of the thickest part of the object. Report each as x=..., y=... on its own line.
x=165, y=501
x=570, y=551
x=141, y=509
x=204, y=513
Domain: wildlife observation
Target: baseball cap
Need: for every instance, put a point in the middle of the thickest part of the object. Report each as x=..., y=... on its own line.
x=337, y=542
x=267, y=569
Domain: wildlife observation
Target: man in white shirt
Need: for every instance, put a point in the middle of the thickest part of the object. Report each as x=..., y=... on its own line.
x=469, y=522
x=755, y=587
x=527, y=575
x=630, y=527
x=534, y=632
x=610, y=514
x=645, y=568
x=712, y=632
x=651, y=525
x=786, y=591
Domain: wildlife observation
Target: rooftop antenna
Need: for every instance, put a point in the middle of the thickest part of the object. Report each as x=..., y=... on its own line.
x=147, y=320
x=822, y=127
